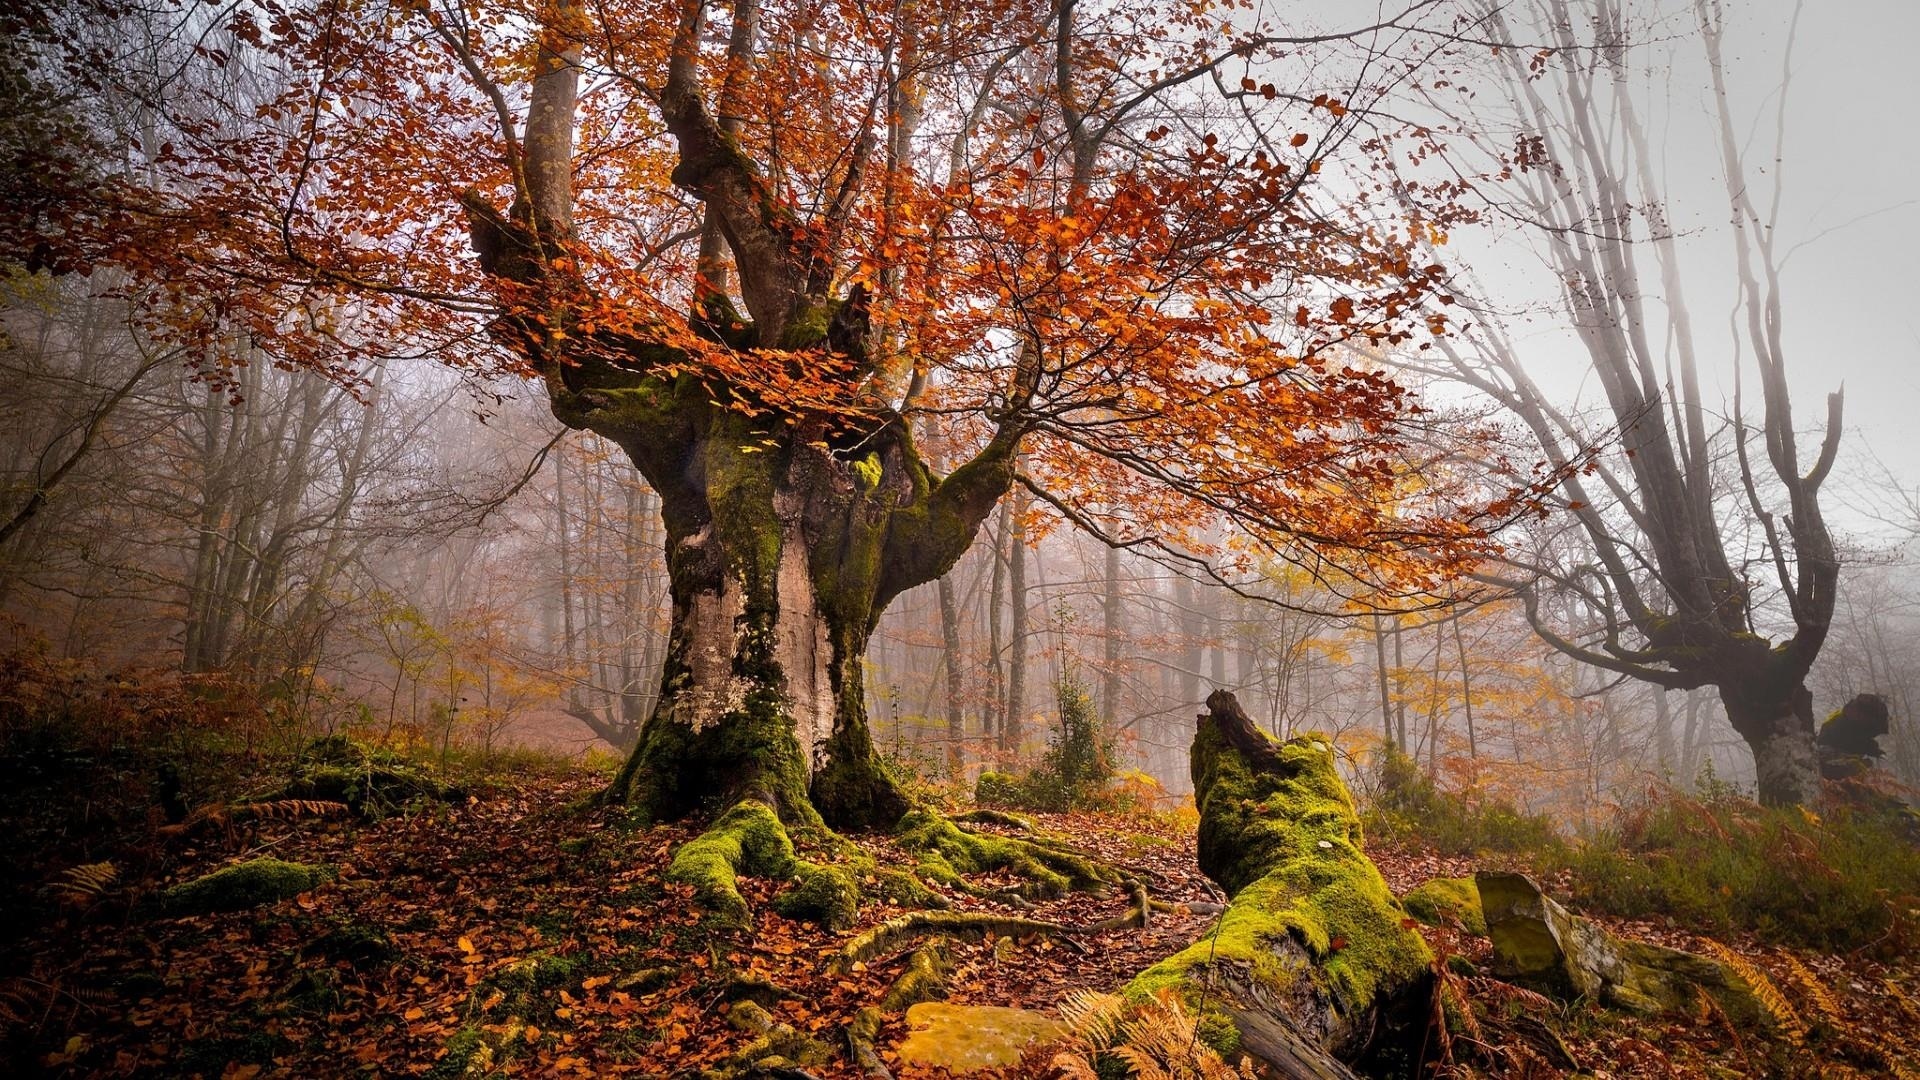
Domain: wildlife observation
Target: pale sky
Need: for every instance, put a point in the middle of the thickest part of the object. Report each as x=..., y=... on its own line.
x=1851, y=197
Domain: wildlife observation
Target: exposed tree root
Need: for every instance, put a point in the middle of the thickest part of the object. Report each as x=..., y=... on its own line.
x=779, y=1049
x=747, y=839
x=984, y=816
x=946, y=853
x=1139, y=912
x=860, y=1035
x=924, y=980
x=891, y=935
x=750, y=839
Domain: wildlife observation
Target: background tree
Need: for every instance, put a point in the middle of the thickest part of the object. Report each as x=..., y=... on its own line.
x=1679, y=567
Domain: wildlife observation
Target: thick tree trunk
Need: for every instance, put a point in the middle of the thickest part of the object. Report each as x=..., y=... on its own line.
x=781, y=554
x=1779, y=729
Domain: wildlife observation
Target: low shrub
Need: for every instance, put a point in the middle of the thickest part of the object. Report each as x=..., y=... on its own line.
x=1407, y=804
x=1841, y=878
x=1076, y=771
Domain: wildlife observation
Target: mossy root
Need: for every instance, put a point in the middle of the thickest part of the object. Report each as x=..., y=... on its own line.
x=947, y=853
x=891, y=935
x=747, y=839
x=924, y=980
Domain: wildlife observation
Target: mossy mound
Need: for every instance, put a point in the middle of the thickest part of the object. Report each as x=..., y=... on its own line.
x=243, y=885
x=1312, y=931
x=1448, y=901
x=371, y=781
x=827, y=895
x=521, y=989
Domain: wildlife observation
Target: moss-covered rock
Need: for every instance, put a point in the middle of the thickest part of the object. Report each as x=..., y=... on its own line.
x=1448, y=901
x=965, y=1039
x=747, y=839
x=1312, y=932
x=243, y=885
x=1539, y=944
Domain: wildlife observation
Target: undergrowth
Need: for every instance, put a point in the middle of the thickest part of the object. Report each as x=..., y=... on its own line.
x=1077, y=770
x=1840, y=878
x=1408, y=805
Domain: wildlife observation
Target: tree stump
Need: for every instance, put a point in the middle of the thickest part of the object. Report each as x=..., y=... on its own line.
x=1314, y=965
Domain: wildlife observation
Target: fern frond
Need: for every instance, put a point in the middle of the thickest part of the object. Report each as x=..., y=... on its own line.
x=289, y=809
x=1505, y=993
x=79, y=884
x=1764, y=991
x=1074, y=1064
x=1900, y=998
x=21, y=1000
x=1093, y=1018
x=1816, y=990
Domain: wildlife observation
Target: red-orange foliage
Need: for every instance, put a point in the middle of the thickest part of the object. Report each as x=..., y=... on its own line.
x=1113, y=195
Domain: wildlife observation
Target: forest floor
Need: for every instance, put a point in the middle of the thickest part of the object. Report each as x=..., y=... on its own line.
x=439, y=922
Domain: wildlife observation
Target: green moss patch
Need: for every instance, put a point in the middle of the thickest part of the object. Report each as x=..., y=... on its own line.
x=1311, y=919
x=1448, y=901
x=827, y=895
x=747, y=839
x=946, y=853
x=373, y=782
x=243, y=885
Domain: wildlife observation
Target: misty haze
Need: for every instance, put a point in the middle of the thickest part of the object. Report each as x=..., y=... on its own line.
x=805, y=539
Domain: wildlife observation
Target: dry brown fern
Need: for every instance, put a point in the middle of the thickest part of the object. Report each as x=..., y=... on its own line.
x=227, y=815
x=1155, y=1039
x=22, y=1002
x=1765, y=991
x=85, y=883
x=1815, y=989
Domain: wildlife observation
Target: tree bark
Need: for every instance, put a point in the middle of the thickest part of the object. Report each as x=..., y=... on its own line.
x=781, y=553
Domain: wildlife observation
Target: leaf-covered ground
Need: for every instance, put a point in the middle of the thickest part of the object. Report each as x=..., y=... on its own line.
x=445, y=924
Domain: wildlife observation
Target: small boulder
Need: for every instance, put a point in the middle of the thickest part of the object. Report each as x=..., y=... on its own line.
x=965, y=1039
x=1444, y=901
x=1539, y=944
x=243, y=885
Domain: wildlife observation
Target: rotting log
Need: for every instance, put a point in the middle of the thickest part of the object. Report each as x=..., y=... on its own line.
x=1313, y=967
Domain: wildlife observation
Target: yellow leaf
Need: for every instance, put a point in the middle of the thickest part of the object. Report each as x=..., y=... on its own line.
x=414, y=1013
x=465, y=945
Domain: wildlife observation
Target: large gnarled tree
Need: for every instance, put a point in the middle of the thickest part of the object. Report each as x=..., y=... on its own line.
x=1680, y=568
x=748, y=243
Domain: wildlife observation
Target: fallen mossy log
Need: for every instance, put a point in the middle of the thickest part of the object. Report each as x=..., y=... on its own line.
x=1313, y=964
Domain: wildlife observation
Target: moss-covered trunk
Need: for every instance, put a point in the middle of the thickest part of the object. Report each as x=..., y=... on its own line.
x=1313, y=963
x=782, y=551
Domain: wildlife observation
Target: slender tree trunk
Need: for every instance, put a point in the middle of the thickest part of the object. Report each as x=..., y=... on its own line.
x=1399, y=686
x=1113, y=629
x=994, y=716
x=1380, y=676
x=955, y=659
x=1466, y=691
x=1013, y=722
